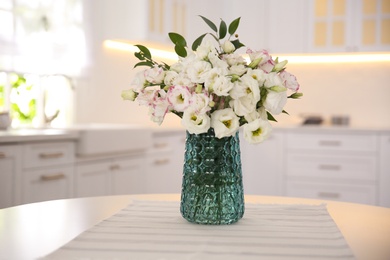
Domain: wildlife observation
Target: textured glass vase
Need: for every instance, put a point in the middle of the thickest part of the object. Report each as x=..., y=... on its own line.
x=212, y=191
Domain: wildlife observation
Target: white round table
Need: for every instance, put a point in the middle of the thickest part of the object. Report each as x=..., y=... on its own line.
x=34, y=230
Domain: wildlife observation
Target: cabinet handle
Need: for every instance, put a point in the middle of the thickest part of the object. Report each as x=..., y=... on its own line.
x=52, y=177
x=330, y=167
x=160, y=145
x=161, y=161
x=329, y=143
x=328, y=195
x=115, y=167
x=51, y=155
x=2, y=155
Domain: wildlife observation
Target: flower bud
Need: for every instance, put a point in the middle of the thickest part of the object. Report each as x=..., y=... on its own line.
x=228, y=47
x=128, y=95
x=279, y=66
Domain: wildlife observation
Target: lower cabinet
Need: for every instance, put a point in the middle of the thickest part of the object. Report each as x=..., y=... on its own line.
x=262, y=166
x=165, y=163
x=114, y=176
x=384, y=170
x=9, y=175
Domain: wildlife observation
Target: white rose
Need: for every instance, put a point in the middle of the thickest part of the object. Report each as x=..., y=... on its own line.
x=195, y=123
x=196, y=71
x=275, y=102
x=179, y=97
x=154, y=75
x=289, y=80
x=225, y=122
x=257, y=131
x=228, y=47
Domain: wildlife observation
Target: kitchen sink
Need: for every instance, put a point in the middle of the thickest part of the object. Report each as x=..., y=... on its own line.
x=96, y=139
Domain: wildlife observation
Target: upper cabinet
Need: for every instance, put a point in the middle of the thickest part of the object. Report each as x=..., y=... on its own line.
x=349, y=26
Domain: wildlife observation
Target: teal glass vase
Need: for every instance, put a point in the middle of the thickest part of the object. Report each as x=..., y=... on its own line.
x=212, y=191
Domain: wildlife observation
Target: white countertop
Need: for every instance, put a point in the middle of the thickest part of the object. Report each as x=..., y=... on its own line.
x=31, y=135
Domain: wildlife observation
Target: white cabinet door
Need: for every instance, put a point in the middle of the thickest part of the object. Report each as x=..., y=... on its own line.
x=262, y=166
x=384, y=171
x=49, y=183
x=9, y=174
x=92, y=179
x=127, y=176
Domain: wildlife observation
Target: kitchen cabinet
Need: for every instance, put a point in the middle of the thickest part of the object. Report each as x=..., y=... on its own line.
x=345, y=26
x=334, y=166
x=262, y=166
x=165, y=162
x=47, y=171
x=124, y=174
x=9, y=175
x=384, y=170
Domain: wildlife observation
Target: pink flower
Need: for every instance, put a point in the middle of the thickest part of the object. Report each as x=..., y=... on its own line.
x=289, y=80
x=179, y=97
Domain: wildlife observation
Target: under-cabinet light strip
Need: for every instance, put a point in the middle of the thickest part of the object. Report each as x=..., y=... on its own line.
x=320, y=58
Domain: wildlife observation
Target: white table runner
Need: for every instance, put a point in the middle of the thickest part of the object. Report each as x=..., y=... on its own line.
x=156, y=230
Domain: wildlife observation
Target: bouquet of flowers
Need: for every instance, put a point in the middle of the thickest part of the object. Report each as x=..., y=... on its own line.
x=212, y=86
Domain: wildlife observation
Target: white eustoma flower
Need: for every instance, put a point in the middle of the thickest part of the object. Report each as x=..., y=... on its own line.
x=258, y=57
x=222, y=86
x=179, y=97
x=246, y=85
x=194, y=122
x=257, y=131
x=289, y=80
x=154, y=75
x=196, y=71
x=146, y=97
x=139, y=82
x=204, y=49
x=243, y=105
x=233, y=59
x=275, y=102
x=170, y=77
x=238, y=69
x=228, y=47
x=259, y=75
x=160, y=107
x=273, y=80
x=216, y=62
x=200, y=102
x=182, y=80
x=225, y=122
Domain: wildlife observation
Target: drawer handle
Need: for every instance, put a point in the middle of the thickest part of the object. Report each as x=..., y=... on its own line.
x=51, y=155
x=329, y=143
x=329, y=167
x=161, y=161
x=115, y=167
x=160, y=145
x=52, y=177
x=2, y=155
x=329, y=195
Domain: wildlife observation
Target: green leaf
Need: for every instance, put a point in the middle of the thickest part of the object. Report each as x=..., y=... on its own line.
x=181, y=51
x=144, y=63
x=210, y=23
x=177, y=39
x=198, y=41
x=222, y=29
x=285, y=112
x=237, y=44
x=295, y=95
x=144, y=50
x=234, y=25
x=271, y=117
x=139, y=55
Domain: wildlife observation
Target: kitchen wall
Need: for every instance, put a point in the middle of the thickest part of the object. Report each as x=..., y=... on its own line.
x=359, y=90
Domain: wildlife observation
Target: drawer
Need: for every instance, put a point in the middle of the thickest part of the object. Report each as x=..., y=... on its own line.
x=356, y=167
x=47, y=183
x=332, y=142
x=338, y=192
x=48, y=154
